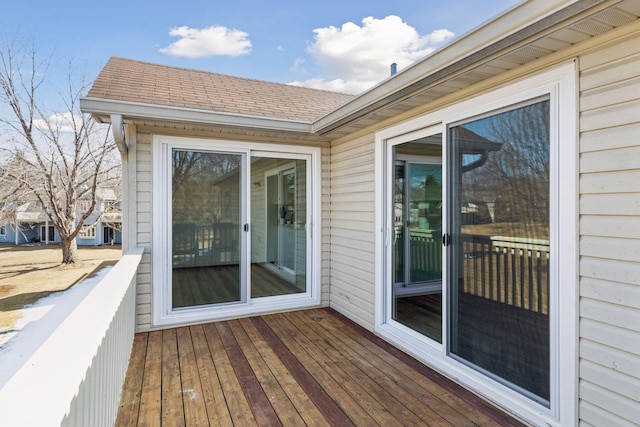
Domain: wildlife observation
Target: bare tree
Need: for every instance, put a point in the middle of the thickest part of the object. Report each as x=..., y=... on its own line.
x=58, y=157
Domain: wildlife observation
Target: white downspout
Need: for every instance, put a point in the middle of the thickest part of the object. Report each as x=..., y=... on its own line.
x=117, y=128
x=125, y=138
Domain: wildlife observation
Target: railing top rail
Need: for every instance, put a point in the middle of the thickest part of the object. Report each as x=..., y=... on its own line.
x=508, y=242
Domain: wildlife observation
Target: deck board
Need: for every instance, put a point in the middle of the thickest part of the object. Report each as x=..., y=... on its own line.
x=309, y=413
x=214, y=399
x=239, y=408
x=151, y=393
x=385, y=376
x=303, y=368
x=337, y=366
x=428, y=393
x=256, y=397
x=172, y=404
x=311, y=367
x=132, y=390
x=273, y=391
x=195, y=412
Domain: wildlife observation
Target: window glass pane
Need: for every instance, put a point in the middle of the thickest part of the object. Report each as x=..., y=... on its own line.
x=278, y=226
x=206, y=206
x=417, y=226
x=500, y=252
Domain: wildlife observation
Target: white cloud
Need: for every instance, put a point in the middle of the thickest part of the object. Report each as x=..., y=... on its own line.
x=335, y=85
x=62, y=122
x=355, y=58
x=209, y=41
x=298, y=66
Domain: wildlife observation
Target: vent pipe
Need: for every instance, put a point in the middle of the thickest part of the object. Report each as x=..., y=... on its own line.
x=394, y=68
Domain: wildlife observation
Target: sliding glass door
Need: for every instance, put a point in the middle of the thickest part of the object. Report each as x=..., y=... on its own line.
x=504, y=320
x=279, y=221
x=417, y=229
x=207, y=228
x=484, y=224
x=239, y=227
x=500, y=206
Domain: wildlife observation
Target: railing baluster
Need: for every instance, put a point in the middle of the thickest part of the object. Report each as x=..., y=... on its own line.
x=539, y=279
x=530, y=281
x=493, y=292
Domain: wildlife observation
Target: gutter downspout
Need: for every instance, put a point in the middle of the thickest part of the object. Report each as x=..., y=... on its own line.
x=125, y=138
x=117, y=128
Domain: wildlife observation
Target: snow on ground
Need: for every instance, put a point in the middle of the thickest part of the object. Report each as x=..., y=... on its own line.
x=38, y=321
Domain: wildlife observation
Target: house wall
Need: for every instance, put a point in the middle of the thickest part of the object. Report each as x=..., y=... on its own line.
x=99, y=239
x=25, y=235
x=144, y=236
x=143, y=187
x=352, y=228
x=609, y=258
x=610, y=234
x=93, y=241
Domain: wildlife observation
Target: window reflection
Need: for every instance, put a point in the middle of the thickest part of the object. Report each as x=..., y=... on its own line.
x=500, y=253
x=417, y=248
x=206, y=226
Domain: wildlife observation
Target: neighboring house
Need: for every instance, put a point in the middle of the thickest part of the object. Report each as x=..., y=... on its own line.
x=30, y=224
x=27, y=224
x=104, y=226
x=507, y=260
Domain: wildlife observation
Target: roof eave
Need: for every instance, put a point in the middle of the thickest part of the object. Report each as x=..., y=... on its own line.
x=102, y=109
x=513, y=28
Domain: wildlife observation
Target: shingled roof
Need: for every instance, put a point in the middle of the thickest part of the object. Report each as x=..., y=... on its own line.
x=141, y=82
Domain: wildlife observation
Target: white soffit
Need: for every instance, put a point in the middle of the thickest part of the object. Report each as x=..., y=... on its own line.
x=575, y=23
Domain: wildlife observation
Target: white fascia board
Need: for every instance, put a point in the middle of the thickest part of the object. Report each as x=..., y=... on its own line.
x=458, y=54
x=104, y=108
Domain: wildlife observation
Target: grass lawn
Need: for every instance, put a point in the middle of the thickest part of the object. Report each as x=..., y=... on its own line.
x=28, y=273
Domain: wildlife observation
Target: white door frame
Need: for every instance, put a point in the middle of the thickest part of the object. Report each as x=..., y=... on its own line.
x=279, y=173
x=162, y=313
x=560, y=85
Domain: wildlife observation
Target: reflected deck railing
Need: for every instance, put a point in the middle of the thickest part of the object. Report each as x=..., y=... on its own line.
x=509, y=270
x=197, y=245
x=512, y=271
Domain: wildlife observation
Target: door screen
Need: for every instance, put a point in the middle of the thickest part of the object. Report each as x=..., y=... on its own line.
x=499, y=289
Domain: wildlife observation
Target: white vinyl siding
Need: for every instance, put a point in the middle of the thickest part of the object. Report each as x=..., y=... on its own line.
x=610, y=235
x=143, y=228
x=352, y=229
x=325, y=263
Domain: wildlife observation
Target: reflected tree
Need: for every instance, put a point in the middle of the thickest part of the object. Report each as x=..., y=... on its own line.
x=515, y=178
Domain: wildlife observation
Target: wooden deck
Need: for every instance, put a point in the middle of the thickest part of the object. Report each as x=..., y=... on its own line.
x=310, y=367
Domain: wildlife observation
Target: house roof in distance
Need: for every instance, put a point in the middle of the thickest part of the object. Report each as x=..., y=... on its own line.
x=145, y=83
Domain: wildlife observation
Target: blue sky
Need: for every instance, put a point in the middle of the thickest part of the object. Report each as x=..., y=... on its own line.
x=339, y=45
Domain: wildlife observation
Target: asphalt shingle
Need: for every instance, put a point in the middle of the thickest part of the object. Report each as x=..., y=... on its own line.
x=135, y=81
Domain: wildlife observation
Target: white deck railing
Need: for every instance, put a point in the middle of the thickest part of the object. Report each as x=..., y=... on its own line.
x=75, y=377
